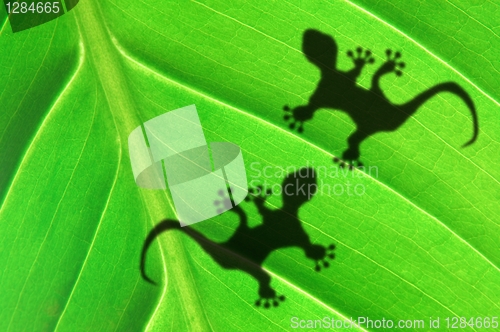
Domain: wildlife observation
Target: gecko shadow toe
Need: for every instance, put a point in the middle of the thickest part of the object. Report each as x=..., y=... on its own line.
x=268, y=302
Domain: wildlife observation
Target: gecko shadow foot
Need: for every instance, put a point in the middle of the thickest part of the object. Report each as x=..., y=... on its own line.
x=370, y=109
x=248, y=247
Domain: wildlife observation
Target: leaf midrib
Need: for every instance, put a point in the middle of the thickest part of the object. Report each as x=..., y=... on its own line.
x=107, y=66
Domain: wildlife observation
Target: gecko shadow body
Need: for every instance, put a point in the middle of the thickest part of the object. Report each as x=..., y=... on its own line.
x=370, y=109
x=248, y=247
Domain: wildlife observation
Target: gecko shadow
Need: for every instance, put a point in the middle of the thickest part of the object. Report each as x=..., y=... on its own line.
x=370, y=109
x=248, y=247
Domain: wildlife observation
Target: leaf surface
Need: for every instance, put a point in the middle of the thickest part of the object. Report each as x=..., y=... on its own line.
x=422, y=241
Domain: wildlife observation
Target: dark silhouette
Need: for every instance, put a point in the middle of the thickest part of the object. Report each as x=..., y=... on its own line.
x=248, y=248
x=369, y=109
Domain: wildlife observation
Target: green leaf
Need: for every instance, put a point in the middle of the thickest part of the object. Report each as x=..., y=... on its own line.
x=422, y=241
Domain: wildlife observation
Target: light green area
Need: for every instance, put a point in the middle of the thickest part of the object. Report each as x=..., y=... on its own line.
x=421, y=242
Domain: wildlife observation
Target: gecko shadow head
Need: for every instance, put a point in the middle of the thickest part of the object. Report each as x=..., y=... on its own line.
x=370, y=109
x=248, y=247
